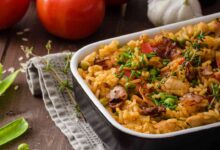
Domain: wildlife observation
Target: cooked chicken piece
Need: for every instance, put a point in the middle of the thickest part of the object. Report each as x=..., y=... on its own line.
x=117, y=96
x=206, y=71
x=203, y=118
x=169, y=125
x=193, y=103
x=175, y=86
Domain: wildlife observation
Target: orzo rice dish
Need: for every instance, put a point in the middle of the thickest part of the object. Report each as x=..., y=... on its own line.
x=159, y=84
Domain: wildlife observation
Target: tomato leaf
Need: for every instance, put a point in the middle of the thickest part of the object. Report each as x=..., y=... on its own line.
x=13, y=130
x=5, y=84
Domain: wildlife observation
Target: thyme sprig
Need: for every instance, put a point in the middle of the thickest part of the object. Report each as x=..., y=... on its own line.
x=63, y=84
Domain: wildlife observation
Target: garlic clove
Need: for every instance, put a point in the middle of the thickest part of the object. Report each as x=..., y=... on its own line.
x=170, y=15
x=156, y=9
x=162, y=12
x=182, y=15
x=196, y=7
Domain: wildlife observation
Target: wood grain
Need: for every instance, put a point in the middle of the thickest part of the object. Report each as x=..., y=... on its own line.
x=44, y=135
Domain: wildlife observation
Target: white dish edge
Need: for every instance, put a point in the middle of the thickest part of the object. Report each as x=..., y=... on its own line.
x=81, y=53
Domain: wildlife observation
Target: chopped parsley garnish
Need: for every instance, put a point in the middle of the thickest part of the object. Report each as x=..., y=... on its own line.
x=191, y=56
x=154, y=75
x=135, y=73
x=194, y=82
x=201, y=36
x=215, y=89
x=150, y=55
x=197, y=44
x=165, y=62
x=123, y=57
x=119, y=75
x=129, y=86
x=143, y=61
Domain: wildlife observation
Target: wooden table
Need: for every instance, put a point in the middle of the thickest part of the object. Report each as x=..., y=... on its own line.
x=44, y=135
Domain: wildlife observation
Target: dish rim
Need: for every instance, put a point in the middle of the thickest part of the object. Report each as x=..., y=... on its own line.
x=84, y=51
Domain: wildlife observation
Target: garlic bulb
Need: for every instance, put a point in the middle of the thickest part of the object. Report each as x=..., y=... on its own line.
x=162, y=12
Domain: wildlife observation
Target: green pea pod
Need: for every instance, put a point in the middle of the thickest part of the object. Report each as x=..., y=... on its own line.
x=13, y=130
x=5, y=84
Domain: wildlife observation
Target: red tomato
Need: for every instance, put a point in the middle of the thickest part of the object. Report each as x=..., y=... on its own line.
x=146, y=48
x=71, y=19
x=11, y=11
x=115, y=2
x=127, y=73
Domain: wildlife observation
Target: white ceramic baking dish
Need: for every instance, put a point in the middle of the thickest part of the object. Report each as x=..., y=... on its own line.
x=80, y=54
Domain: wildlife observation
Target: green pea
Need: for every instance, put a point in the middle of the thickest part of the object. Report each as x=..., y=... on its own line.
x=170, y=101
x=153, y=72
x=162, y=96
x=23, y=146
x=129, y=85
x=104, y=101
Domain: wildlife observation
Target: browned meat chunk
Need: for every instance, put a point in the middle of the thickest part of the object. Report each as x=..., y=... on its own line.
x=191, y=72
x=117, y=96
x=167, y=49
x=153, y=111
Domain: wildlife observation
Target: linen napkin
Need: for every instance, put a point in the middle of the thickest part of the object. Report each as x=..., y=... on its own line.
x=62, y=110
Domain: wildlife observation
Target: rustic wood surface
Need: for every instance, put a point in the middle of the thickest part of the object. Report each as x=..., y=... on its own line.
x=43, y=134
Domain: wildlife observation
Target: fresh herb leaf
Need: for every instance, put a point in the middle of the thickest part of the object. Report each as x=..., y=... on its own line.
x=135, y=73
x=119, y=75
x=196, y=45
x=165, y=62
x=121, y=67
x=194, y=83
x=129, y=85
x=215, y=89
x=201, y=36
x=128, y=64
x=191, y=55
x=154, y=75
x=150, y=55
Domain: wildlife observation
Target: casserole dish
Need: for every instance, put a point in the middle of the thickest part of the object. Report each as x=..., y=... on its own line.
x=123, y=39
